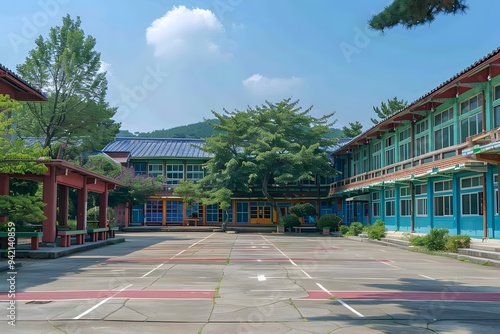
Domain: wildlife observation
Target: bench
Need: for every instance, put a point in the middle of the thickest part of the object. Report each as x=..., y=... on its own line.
x=35, y=238
x=299, y=229
x=187, y=221
x=99, y=233
x=67, y=234
x=112, y=231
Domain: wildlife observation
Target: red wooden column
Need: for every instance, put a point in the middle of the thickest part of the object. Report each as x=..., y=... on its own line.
x=4, y=190
x=81, y=213
x=50, y=209
x=103, y=205
x=63, y=205
x=127, y=214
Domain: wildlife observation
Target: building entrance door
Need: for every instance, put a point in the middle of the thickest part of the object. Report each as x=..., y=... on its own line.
x=260, y=214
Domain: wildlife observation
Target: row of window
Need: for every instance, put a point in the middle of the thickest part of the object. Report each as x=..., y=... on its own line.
x=471, y=202
x=470, y=121
x=174, y=173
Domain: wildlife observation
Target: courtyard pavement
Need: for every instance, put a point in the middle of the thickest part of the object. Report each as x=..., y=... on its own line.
x=204, y=282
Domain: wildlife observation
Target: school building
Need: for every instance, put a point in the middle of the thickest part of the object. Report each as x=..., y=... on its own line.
x=433, y=164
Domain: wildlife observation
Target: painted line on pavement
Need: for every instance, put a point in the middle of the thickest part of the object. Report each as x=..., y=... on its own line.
x=173, y=257
x=100, y=303
x=279, y=250
x=340, y=301
x=432, y=279
x=306, y=273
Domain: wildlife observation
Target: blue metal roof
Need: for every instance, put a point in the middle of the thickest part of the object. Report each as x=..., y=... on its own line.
x=158, y=147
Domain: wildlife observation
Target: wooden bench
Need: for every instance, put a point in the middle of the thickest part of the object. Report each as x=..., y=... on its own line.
x=187, y=221
x=299, y=229
x=112, y=231
x=67, y=234
x=99, y=233
x=35, y=238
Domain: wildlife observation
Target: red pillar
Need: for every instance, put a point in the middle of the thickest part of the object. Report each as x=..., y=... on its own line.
x=4, y=190
x=103, y=205
x=127, y=214
x=50, y=209
x=63, y=205
x=81, y=213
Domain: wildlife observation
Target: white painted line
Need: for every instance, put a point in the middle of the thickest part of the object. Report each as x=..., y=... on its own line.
x=341, y=301
x=430, y=261
x=433, y=279
x=279, y=250
x=161, y=264
x=261, y=278
x=100, y=303
x=201, y=240
x=390, y=265
x=350, y=308
x=305, y=273
x=273, y=290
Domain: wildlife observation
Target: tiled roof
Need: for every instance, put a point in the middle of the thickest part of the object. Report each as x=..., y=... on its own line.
x=158, y=147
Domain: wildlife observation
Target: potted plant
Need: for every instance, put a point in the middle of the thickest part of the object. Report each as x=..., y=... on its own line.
x=328, y=222
x=288, y=221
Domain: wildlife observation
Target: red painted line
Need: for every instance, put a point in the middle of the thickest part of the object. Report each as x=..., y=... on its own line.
x=100, y=294
x=410, y=295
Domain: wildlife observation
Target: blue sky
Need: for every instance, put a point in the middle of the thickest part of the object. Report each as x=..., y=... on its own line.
x=170, y=63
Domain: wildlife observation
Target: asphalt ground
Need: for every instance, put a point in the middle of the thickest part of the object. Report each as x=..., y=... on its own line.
x=249, y=283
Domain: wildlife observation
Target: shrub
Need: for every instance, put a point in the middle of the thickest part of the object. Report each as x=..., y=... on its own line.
x=303, y=210
x=453, y=243
x=330, y=220
x=418, y=240
x=93, y=214
x=436, y=239
x=355, y=228
x=289, y=221
x=377, y=230
x=344, y=230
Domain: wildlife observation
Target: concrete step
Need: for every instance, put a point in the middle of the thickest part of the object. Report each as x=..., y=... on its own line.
x=485, y=247
x=485, y=254
x=479, y=260
x=396, y=241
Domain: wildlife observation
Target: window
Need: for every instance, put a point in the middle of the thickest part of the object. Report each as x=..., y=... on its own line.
x=421, y=126
x=376, y=196
x=471, y=104
x=140, y=169
x=389, y=150
x=154, y=211
x=405, y=207
x=242, y=212
x=443, y=116
x=443, y=205
x=404, y=191
x=496, y=116
x=421, y=206
x=421, y=189
x=174, y=211
x=470, y=126
x=496, y=92
x=443, y=137
x=355, y=164
x=155, y=169
x=376, y=203
x=377, y=161
x=404, y=151
x=421, y=138
x=194, y=172
x=389, y=193
x=404, y=135
x=389, y=141
x=472, y=204
x=175, y=174
x=389, y=209
x=441, y=186
x=471, y=182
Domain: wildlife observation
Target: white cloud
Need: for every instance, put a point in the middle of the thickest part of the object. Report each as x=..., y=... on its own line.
x=104, y=67
x=184, y=33
x=259, y=84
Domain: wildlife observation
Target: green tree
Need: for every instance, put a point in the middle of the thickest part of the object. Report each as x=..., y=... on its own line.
x=17, y=158
x=222, y=197
x=66, y=67
x=387, y=109
x=190, y=192
x=412, y=13
x=276, y=143
x=353, y=130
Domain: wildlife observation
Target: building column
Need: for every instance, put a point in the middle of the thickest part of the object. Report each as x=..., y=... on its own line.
x=81, y=213
x=63, y=205
x=50, y=209
x=103, y=206
x=4, y=190
x=127, y=214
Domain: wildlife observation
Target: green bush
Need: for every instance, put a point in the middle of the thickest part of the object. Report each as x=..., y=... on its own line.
x=418, y=240
x=377, y=230
x=355, y=228
x=436, y=239
x=290, y=221
x=454, y=242
x=330, y=220
x=303, y=210
x=93, y=214
x=344, y=230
